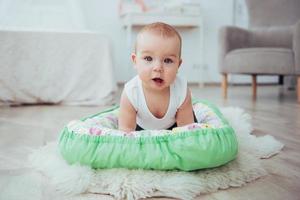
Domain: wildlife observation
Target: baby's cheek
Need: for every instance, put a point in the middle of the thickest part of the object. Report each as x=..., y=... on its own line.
x=172, y=77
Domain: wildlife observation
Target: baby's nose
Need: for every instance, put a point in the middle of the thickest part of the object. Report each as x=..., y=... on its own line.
x=158, y=66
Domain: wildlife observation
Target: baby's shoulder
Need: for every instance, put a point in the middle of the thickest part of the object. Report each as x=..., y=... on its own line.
x=132, y=83
x=131, y=88
x=180, y=90
x=180, y=85
x=180, y=81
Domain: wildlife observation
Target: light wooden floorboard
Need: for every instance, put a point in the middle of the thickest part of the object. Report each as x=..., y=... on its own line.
x=275, y=112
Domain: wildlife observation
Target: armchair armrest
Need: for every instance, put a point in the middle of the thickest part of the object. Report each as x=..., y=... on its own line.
x=230, y=38
x=296, y=47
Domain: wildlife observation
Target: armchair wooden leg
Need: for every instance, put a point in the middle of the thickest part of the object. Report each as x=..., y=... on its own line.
x=254, y=86
x=298, y=88
x=224, y=85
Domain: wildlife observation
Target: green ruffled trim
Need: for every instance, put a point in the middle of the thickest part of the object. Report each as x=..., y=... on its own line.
x=146, y=139
x=150, y=139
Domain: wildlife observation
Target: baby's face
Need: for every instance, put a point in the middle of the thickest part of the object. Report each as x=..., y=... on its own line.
x=157, y=60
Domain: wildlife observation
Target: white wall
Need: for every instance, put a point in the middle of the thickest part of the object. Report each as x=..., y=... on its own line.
x=41, y=14
x=102, y=16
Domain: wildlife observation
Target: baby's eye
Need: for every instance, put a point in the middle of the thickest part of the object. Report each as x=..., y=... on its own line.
x=148, y=58
x=168, y=61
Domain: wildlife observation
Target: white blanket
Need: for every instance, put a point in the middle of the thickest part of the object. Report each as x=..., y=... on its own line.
x=55, y=67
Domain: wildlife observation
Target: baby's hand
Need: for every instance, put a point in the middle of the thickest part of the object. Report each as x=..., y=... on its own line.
x=129, y=133
x=187, y=127
x=178, y=129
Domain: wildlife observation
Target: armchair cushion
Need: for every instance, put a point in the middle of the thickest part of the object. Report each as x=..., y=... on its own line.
x=260, y=61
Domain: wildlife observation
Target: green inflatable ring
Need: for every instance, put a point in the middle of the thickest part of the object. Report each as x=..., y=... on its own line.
x=199, y=148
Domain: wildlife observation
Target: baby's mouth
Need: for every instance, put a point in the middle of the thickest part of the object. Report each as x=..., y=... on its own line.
x=158, y=80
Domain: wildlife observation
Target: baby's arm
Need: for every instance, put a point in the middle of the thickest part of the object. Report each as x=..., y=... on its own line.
x=184, y=113
x=127, y=115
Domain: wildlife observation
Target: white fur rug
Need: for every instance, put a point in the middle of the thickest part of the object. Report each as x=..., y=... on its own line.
x=50, y=177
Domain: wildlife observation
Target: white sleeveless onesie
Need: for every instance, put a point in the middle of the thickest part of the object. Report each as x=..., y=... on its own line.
x=145, y=119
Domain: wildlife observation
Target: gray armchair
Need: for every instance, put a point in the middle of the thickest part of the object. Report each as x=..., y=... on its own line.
x=271, y=46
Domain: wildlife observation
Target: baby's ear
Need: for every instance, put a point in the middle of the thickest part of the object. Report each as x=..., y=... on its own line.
x=133, y=58
x=180, y=62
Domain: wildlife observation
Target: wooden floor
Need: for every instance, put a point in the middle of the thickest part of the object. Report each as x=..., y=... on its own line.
x=275, y=112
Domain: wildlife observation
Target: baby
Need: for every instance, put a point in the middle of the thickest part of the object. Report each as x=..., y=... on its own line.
x=157, y=98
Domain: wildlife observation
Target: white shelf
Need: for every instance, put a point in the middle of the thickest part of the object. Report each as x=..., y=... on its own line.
x=179, y=20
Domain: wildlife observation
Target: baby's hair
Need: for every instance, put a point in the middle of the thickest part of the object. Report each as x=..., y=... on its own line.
x=162, y=29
